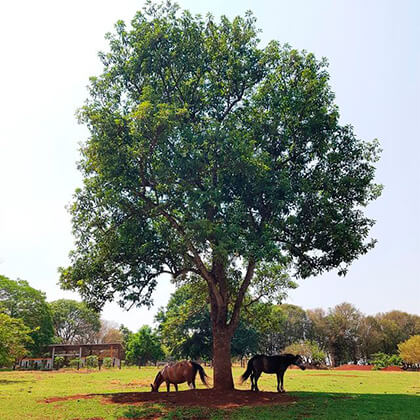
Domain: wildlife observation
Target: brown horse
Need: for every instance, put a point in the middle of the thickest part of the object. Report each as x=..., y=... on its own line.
x=177, y=373
x=270, y=364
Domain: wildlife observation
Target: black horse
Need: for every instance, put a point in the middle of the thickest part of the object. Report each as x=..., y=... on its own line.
x=270, y=364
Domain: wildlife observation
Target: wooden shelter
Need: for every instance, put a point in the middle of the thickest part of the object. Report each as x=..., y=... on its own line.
x=81, y=351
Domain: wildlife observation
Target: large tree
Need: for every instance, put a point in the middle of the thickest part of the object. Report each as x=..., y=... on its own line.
x=343, y=324
x=111, y=333
x=396, y=326
x=280, y=326
x=75, y=322
x=410, y=350
x=210, y=155
x=21, y=301
x=371, y=337
x=107, y=333
x=14, y=338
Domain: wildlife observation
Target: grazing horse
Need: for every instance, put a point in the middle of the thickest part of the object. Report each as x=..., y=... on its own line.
x=177, y=373
x=270, y=364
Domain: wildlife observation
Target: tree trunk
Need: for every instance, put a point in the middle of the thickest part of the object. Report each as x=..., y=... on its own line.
x=222, y=328
x=333, y=359
x=222, y=367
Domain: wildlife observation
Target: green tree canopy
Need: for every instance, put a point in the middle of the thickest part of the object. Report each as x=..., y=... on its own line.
x=14, y=338
x=210, y=155
x=342, y=332
x=143, y=346
x=343, y=323
x=74, y=322
x=184, y=325
x=318, y=329
x=371, y=337
x=19, y=300
x=126, y=334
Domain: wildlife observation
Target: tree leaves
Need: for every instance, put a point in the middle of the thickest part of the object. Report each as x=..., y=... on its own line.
x=14, y=337
x=210, y=154
x=20, y=301
x=74, y=322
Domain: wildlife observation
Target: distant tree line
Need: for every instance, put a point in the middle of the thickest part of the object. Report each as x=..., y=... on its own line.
x=28, y=323
x=339, y=335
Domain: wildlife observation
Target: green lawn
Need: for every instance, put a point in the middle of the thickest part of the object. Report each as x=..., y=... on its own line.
x=321, y=395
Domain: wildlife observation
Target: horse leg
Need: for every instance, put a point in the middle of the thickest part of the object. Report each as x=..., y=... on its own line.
x=256, y=377
x=281, y=378
x=278, y=381
x=176, y=387
x=167, y=386
x=252, y=381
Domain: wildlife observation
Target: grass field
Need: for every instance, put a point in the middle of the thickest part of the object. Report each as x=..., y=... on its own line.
x=321, y=395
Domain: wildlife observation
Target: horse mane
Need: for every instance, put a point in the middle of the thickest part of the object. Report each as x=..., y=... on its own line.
x=289, y=355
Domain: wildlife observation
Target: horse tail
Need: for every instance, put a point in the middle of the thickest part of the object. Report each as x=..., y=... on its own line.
x=203, y=375
x=248, y=371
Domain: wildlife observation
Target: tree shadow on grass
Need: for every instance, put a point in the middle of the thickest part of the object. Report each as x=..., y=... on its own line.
x=304, y=405
x=9, y=382
x=293, y=405
x=316, y=405
x=146, y=411
x=171, y=413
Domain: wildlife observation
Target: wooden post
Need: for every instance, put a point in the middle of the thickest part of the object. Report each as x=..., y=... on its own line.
x=52, y=357
x=80, y=357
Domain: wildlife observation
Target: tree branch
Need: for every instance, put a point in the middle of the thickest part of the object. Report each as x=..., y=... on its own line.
x=254, y=300
x=202, y=269
x=231, y=105
x=182, y=271
x=242, y=290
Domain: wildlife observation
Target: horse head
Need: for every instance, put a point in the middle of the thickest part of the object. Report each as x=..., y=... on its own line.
x=158, y=380
x=299, y=362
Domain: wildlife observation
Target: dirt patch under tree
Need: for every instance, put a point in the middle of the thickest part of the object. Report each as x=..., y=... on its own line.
x=198, y=397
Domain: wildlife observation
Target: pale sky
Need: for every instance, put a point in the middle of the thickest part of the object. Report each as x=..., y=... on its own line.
x=49, y=50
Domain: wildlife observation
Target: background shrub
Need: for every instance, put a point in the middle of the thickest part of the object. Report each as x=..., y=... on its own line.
x=92, y=361
x=383, y=360
x=58, y=362
x=75, y=363
x=107, y=362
